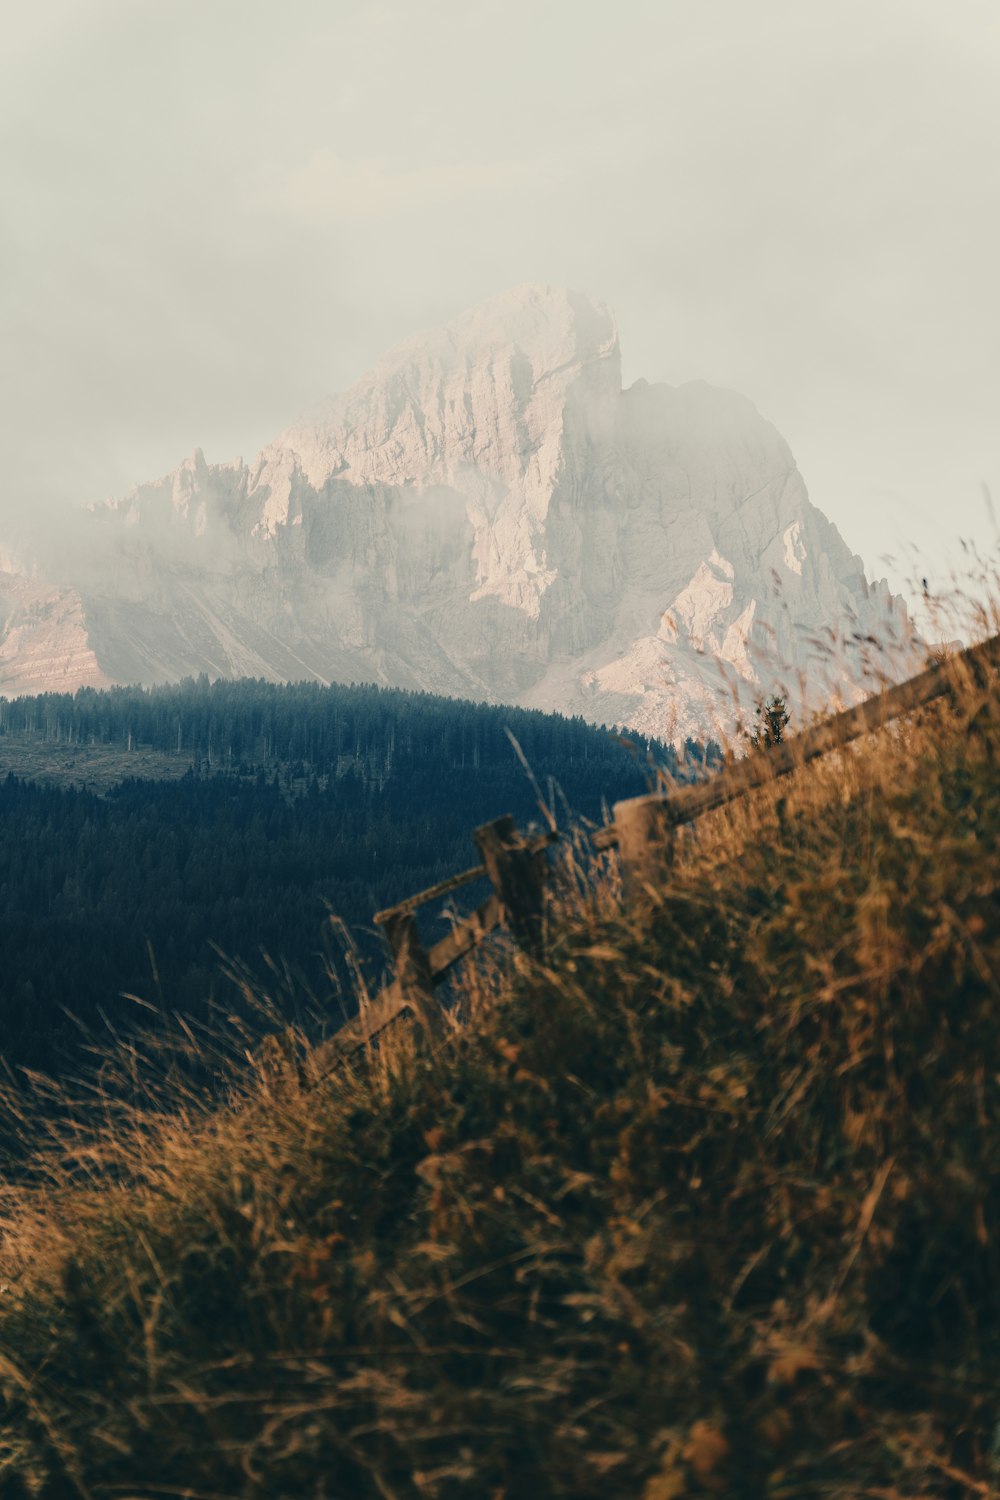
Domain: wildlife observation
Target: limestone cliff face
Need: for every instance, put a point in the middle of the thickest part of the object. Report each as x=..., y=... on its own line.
x=488, y=513
x=45, y=643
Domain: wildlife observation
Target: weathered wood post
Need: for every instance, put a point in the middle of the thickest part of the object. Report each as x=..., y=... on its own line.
x=517, y=873
x=646, y=835
x=413, y=970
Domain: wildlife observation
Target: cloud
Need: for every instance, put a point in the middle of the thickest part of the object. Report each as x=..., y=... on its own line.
x=330, y=188
x=215, y=214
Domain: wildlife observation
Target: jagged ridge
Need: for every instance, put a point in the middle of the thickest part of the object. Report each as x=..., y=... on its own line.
x=487, y=514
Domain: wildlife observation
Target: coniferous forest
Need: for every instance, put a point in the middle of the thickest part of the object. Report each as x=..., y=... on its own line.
x=296, y=802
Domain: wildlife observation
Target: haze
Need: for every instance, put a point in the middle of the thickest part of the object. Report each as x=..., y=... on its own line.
x=214, y=214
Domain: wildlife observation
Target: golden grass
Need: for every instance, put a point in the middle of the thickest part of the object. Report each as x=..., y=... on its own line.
x=707, y=1204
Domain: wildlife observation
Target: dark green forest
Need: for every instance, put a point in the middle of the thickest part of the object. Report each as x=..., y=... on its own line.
x=297, y=801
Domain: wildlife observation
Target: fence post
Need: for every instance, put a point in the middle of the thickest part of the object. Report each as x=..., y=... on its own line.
x=645, y=831
x=518, y=877
x=413, y=971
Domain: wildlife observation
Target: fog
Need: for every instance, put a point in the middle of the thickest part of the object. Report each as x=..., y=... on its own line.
x=215, y=214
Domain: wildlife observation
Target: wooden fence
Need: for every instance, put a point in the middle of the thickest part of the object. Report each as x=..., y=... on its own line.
x=643, y=832
x=518, y=869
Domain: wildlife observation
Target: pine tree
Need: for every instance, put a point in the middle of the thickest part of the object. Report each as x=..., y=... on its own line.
x=771, y=720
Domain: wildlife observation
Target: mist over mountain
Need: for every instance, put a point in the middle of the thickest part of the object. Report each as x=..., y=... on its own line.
x=486, y=514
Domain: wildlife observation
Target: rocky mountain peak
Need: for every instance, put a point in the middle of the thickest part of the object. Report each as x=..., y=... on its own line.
x=487, y=513
x=550, y=326
x=481, y=392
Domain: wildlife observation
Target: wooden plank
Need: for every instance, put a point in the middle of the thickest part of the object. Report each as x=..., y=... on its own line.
x=690, y=802
x=453, y=883
x=389, y=1004
x=413, y=971
x=686, y=804
x=645, y=840
x=464, y=937
x=392, y=1003
x=413, y=903
x=516, y=870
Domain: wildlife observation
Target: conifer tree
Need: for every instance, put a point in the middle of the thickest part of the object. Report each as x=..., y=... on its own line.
x=771, y=720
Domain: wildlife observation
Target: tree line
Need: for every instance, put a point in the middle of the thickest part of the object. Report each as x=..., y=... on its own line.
x=298, y=801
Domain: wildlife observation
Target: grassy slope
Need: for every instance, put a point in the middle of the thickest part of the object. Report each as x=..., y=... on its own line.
x=97, y=768
x=709, y=1205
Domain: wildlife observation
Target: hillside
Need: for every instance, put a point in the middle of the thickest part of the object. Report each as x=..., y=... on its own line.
x=148, y=832
x=708, y=1203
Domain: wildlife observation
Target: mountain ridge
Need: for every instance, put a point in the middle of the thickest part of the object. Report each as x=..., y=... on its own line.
x=486, y=513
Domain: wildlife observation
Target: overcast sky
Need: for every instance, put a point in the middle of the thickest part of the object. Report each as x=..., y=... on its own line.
x=214, y=213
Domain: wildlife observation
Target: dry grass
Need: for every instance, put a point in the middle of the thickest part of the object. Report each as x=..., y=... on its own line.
x=706, y=1205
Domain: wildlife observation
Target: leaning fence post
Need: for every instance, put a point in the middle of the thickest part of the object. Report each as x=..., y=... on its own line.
x=413, y=971
x=517, y=873
x=645, y=832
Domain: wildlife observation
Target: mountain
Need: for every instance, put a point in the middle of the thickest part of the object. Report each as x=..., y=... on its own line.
x=486, y=514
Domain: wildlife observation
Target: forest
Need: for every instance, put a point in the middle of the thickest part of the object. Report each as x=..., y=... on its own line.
x=298, y=802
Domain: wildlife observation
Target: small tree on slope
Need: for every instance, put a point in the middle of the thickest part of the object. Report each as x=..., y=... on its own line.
x=770, y=721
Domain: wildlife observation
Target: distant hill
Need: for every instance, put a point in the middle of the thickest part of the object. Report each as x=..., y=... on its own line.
x=143, y=830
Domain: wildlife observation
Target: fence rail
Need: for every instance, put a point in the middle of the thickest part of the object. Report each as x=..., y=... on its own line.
x=642, y=832
x=643, y=827
x=517, y=868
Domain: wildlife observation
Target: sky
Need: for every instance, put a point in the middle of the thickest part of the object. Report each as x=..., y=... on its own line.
x=215, y=213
